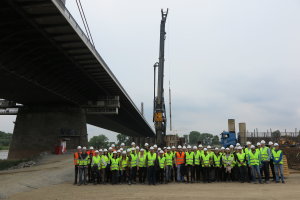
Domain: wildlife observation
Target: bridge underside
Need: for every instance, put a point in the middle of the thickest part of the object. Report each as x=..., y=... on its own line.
x=46, y=60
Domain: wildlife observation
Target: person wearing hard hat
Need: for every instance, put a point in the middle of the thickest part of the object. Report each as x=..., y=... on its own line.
x=133, y=145
x=122, y=145
x=206, y=164
x=124, y=167
x=189, y=165
x=151, y=163
x=155, y=148
x=174, y=169
x=114, y=168
x=277, y=156
x=76, y=163
x=105, y=167
x=83, y=164
x=197, y=156
x=118, y=154
x=255, y=162
x=217, y=163
x=96, y=166
x=222, y=152
x=265, y=160
x=271, y=147
x=162, y=165
x=91, y=153
x=110, y=155
x=132, y=166
x=247, y=150
x=241, y=160
x=141, y=166
x=169, y=164
x=228, y=163
x=180, y=161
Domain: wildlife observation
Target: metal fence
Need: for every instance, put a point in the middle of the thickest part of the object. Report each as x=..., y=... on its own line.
x=279, y=137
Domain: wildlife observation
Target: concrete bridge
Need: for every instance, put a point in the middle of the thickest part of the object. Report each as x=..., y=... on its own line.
x=48, y=65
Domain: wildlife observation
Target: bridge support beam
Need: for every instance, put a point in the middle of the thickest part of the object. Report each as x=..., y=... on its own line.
x=41, y=128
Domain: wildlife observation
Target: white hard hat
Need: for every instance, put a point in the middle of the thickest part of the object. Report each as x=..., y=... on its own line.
x=79, y=147
x=239, y=148
x=122, y=144
x=173, y=147
x=91, y=148
x=195, y=147
x=216, y=148
x=151, y=148
x=258, y=144
x=262, y=142
x=205, y=149
x=155, y=146
x=200, y=145
x=161, y=151
x=164, y=147
x=118, y=151
x=100, y=150
x=231, y=146
x=248, y=142
x=270, y=143
x=146, y=144
x=105, y=150
x=189, y=146
x=179, y=147
x=128, y=150
x=238, y=144
x=252, y=147
x=124, y=152
x=184, y=147
x=222, y=148
x=114, y=152
x=208, y=147
x=121, y=149
x=158, y=149
x=227, y=149
x=168, y=148
x=113, y=145
x=137, y=147
x=132, y=143
x=142, y=150
x=96, y=151
x=276, y=144
x=84, y=148
x=132, y=149
x=110, y=148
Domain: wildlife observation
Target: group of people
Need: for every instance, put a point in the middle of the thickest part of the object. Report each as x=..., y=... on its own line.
x=152, y=165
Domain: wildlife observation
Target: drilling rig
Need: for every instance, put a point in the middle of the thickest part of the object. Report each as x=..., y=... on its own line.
x=159, y=111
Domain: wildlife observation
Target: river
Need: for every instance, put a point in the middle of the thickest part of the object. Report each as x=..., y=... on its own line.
x=3, y=154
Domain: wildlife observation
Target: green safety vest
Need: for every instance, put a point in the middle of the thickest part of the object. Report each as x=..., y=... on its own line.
x=109, y=155
x=161, y=161
x=241, y=158
x=247, y=151
x=264, y=153
x=217, y=160
x=254, y=158
x=276, y=156
x=189, y=157
x=142, y=160
x=123, y=163
x=151, y=159
x=133, y=160
x=114, y=164
x=96, y=160
x=84, y=161
x=169, y=158
x=104, y=161
x=197, y=158
x=226, y=159
x=205, y=159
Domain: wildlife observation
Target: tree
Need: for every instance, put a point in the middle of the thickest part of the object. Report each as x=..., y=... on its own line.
x=123, y=139
x=100, y=141
x=194, y=137
x=206, y=138
x=215, y=140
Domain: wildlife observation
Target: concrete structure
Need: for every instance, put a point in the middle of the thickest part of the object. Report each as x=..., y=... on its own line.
x=231, y=125
x=47, y=62
x=242, y=133
x=171, y=140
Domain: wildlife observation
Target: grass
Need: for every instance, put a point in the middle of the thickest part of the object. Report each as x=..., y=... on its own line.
x=4, y=147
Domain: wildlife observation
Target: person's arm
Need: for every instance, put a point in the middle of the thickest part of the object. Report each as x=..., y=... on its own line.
x=280, y=158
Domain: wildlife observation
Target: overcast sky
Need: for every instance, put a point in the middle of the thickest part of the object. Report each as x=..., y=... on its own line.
x=225, y=59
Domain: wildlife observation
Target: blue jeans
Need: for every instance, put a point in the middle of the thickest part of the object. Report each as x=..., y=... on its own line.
x=168, y=172
x=279, y=168
x=255, y=171
x=180, y=177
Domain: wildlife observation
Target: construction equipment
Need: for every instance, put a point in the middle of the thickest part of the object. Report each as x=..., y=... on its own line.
x=159, y=111
x=229, y=138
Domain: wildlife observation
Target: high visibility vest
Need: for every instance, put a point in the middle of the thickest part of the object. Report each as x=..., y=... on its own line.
x=104, y=161
x=161, y=161
x=211, y=153
x=217, y=160
x=110, y=155
x=84, y=159
x=114, y=164
x=254, y=158
x=247, y=151
x=76, y=158
x=169, y=158
x=264, y=153
x=206, y=160
x=179, y=158
x=197, y=158
x=276, y=156
x=96, y=160
x=142, y=160
x=189, y=157
x=151, y=159
x=133, y=160
x=241, y=158
x=124, y=162
x=228, y=159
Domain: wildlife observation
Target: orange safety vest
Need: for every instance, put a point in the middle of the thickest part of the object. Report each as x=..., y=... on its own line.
x=92, y=152
x=179, y=158
x=76, y=157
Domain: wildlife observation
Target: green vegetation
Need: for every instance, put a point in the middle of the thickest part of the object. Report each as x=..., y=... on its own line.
x=123, y=139
x=100, y=141
x=5, y=139
x=196, y=137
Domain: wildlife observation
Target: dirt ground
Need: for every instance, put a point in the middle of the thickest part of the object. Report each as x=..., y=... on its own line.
x=53, y=180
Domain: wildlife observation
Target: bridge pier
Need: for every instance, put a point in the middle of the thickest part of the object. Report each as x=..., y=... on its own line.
x=41, y=128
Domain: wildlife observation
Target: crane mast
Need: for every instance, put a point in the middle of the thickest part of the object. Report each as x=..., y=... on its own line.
x=159, y=111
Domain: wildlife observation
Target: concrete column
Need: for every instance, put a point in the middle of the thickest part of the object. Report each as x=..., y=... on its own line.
x=41, y=128
x=242, y=133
